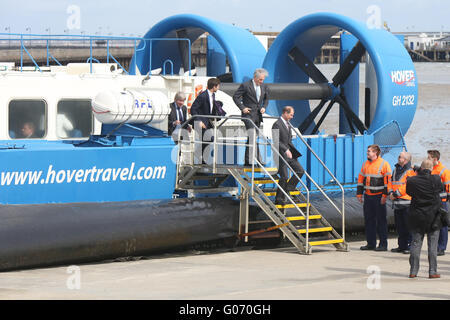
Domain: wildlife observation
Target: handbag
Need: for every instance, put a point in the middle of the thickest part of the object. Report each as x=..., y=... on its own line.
x=445, y=217
x=442, y=213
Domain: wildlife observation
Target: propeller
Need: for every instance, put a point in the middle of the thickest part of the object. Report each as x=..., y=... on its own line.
x=347, y=67
x=184, y=50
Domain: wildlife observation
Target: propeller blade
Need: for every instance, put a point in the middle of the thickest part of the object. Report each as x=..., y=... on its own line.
x=184, y=50
x=307, y=66
x=310, y=118
x=349, y=64
x=352, y=116
x=322, y=118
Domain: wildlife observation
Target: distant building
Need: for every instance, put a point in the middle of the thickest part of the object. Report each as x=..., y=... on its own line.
x=423, y=40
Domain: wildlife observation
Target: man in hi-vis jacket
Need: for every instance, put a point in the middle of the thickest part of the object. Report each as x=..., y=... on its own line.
x=373, y=183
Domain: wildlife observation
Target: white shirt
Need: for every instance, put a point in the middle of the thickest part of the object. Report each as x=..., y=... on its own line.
x=210, y=101
x=257, y=90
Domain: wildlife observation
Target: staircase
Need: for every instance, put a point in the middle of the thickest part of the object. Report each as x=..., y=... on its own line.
x=299, y=221
x=305, y=229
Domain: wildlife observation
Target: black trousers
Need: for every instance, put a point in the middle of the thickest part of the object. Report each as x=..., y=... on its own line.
x=375, y=220
x=252, y=135
x=283, y=172
x=200, y=156
x=404, y=236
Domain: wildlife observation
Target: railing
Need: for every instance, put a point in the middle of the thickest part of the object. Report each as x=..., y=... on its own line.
x=278, y=155
x=342, y=211
x=70, y=39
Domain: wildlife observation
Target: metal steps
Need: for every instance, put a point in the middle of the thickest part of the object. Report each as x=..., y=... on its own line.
x=304, y=230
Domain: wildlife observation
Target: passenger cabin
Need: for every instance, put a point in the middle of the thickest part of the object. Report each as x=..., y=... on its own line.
x=56, y=104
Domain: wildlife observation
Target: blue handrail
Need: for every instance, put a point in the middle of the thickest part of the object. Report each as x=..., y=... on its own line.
x=45, y=39
x=171, y=67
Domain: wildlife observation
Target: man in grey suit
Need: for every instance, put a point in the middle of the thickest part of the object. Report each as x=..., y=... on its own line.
x=282, y=138
x=252, y=98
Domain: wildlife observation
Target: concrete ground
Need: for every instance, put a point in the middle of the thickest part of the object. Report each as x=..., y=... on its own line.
x=268, y=274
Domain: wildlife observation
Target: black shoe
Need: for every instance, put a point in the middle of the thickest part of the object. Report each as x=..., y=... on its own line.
x=367, y=247
x=407, y=251
x=441, y=252
x=398, y=250
x=282, y=202
x=380, y=249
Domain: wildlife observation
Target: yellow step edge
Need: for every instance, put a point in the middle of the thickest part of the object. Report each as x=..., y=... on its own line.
x=292, y=193
x=311, y=230
x=260, y=169
x=318, y=243
x=265, y=181
x=290, y=205
x=314, y=216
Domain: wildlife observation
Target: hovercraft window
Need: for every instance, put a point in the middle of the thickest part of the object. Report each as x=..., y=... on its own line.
x=74, y=118
x=27, y=119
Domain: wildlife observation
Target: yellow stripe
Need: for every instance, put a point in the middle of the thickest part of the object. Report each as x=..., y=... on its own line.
x=317, y=216
x=318, y=243
x=260, y=169
x=290, y=205
x=292, y=193
x=265, y=181
x=316, y=230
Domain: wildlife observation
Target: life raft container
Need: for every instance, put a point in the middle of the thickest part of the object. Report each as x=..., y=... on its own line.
x=131, y=106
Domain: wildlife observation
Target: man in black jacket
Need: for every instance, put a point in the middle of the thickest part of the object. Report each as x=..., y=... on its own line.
x=282, y=139
x=423, y=218
x=252, y=98
x=205, y=104
x=177, y=115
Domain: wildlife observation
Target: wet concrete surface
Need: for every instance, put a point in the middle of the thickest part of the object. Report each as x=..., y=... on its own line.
x=243, y=274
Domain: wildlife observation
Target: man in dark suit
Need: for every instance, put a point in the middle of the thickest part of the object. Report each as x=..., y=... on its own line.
x=177, y=115
x=252, y=98
x=282, y=138
x=205, y=104
x=424, y=190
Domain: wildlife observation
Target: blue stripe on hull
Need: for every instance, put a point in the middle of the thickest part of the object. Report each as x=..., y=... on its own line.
x=63, y=173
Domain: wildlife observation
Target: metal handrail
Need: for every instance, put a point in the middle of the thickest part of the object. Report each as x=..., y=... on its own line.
x=298, y=134
x=58, y=37
x=171, y=66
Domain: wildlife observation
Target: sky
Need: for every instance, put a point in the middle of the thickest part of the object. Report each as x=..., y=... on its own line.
x=136, y=17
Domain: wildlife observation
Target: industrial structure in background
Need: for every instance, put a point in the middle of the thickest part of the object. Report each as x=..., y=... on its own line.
x=422, y=47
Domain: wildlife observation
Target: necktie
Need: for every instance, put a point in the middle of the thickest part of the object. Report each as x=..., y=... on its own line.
x=258, y=92
x=180, y=114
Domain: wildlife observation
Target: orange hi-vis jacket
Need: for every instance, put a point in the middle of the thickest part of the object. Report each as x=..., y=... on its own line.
x=374, y=178
x=398, y=187
x=444, y=173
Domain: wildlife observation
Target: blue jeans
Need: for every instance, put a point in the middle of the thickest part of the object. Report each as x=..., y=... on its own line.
x=443, y=234
x=375, y=220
